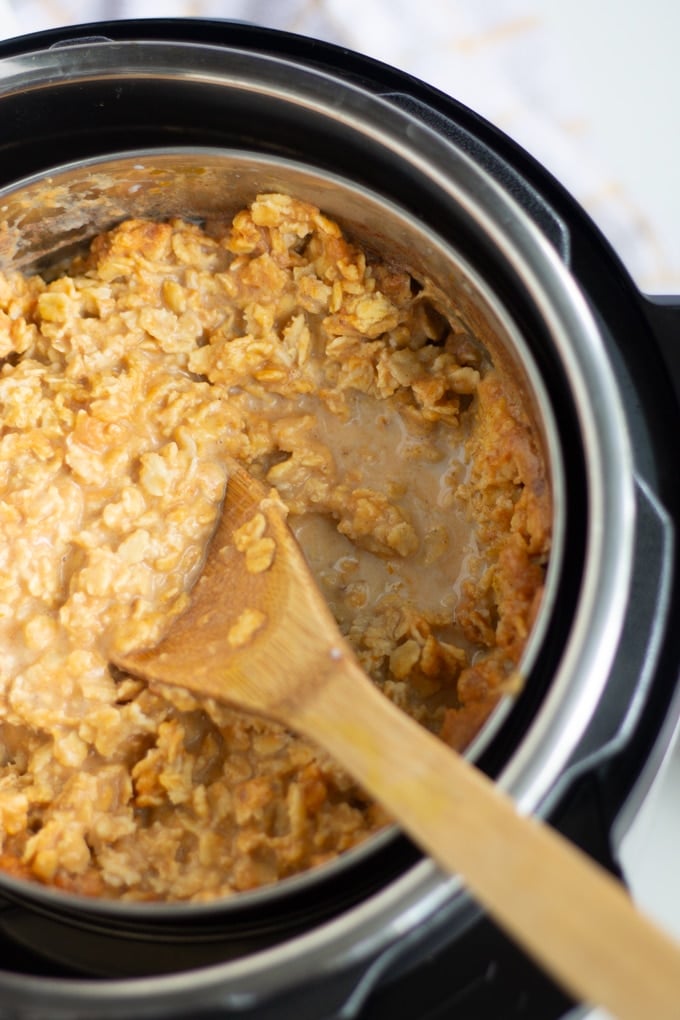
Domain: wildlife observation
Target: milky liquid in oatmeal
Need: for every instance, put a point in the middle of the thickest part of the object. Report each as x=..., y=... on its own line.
x=413, y=482
x=377, y=450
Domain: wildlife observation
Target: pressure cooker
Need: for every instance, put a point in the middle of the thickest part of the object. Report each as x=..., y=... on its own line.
x=186, y=117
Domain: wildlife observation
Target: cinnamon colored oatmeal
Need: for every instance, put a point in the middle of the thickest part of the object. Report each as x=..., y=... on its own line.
x=413, y=483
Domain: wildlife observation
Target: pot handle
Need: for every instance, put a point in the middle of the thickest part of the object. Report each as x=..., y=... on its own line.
x=663, y=315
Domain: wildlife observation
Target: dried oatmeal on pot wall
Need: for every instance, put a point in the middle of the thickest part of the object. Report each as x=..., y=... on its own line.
x=413, y=484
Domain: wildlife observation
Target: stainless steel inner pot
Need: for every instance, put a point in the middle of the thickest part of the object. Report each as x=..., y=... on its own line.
x=49, y=217
x=404, y=189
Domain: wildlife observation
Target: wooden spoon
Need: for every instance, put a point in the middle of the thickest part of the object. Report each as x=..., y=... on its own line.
x=259, y=636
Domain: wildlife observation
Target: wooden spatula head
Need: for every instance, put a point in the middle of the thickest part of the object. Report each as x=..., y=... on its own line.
x=257, y=632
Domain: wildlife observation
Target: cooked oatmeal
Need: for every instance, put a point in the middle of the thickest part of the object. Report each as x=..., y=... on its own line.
x=413, y=483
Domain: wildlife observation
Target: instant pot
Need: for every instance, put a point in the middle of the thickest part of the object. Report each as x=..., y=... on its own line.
x=188, y=117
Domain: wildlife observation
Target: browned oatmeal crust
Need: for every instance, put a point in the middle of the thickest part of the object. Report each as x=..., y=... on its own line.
x=413, y=483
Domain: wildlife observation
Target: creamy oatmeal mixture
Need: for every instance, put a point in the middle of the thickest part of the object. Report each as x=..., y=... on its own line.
x=414, y=486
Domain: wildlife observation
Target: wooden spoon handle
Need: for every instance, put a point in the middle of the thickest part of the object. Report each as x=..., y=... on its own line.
x=567, y=912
